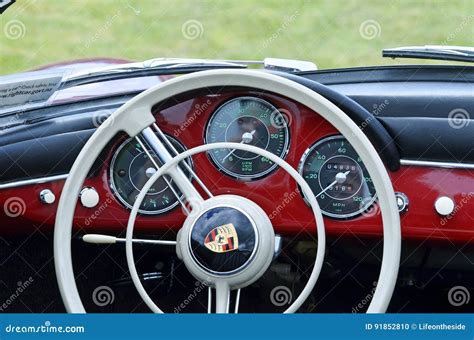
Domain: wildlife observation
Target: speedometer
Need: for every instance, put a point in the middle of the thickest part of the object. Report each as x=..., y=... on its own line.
x=252, y=121
x=337, y=177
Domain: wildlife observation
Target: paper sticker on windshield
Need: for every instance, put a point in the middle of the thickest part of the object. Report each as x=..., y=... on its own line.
x=33, y=89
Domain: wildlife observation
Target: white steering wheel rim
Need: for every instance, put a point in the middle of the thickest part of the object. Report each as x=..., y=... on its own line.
x=171, y=164
x=135, y=116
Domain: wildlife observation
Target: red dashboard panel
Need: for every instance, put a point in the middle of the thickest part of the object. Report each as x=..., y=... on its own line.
x=276, y=193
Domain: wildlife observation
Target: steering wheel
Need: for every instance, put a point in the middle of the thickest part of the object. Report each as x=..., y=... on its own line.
x=231, y=215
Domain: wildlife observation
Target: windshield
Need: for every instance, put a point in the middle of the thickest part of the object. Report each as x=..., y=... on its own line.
x=332, y=34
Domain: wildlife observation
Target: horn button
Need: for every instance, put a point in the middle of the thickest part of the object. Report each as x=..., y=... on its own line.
x=227, y=237
x=223, y=239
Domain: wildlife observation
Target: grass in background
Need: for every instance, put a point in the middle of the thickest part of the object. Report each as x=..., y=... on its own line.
x=330, y=33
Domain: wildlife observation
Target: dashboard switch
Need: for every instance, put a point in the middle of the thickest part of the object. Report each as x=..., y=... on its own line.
x=47, y=196
x=89, y=197
x=444, y=206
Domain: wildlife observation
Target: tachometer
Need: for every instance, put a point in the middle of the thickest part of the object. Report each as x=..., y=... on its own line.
x=131, y=168
x=251, y=121
x=337, y=177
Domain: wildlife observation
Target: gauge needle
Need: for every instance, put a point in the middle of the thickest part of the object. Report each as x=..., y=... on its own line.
x=340, y=178
x=247, y=137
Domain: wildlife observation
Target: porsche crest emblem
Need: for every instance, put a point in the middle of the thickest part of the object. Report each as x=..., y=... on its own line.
x=222, y=239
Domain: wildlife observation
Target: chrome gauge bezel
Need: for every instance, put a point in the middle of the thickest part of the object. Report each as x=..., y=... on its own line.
x=230, y=173
x=122, y=200
x=301, y=164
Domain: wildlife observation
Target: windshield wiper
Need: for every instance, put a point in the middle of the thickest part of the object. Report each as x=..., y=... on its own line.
x=436, y=52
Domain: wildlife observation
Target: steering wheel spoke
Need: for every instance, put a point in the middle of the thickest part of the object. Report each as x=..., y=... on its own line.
x=223, y=295
x=165, y=151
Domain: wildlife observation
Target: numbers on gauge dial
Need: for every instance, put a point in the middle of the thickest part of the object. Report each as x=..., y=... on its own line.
x=338, y=178
x=252, y=121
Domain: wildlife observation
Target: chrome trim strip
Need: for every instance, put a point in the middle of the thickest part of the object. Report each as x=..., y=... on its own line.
x=448, y=165
x=33, y=181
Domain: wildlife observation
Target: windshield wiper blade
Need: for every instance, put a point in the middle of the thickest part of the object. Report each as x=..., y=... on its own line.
x=147, y=68
x=435, y=52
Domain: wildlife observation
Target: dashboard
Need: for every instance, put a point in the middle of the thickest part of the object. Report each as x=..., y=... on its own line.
x=332, y=168
x=336, y=174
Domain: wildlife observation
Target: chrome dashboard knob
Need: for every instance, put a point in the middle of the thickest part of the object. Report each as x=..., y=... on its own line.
x=47, y=196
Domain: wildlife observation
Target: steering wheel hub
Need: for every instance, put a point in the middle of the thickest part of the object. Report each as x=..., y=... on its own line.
x=223, y=240
x=230, y=237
